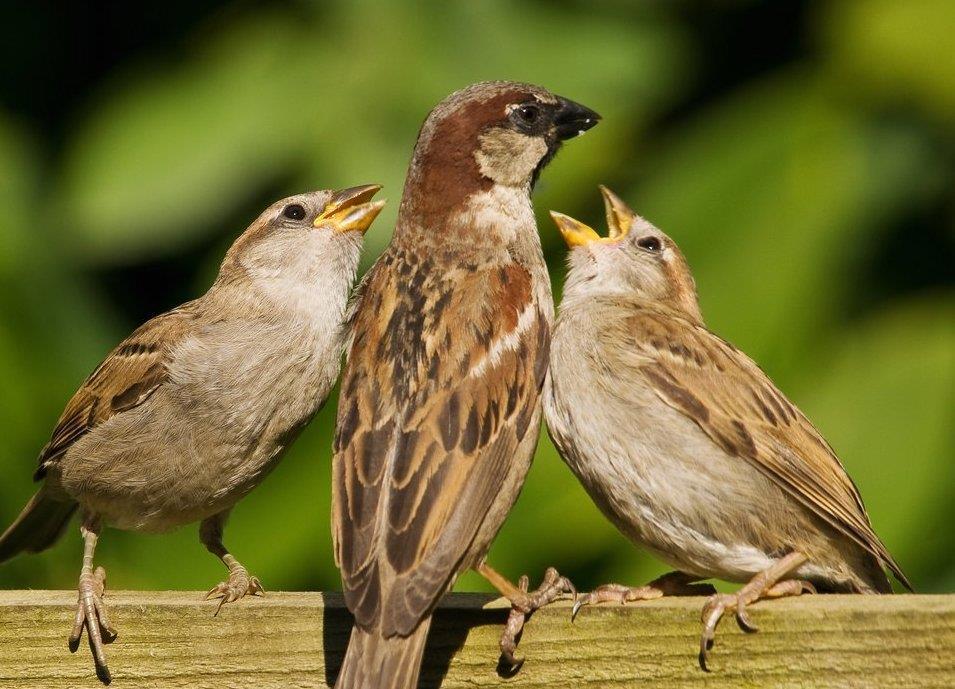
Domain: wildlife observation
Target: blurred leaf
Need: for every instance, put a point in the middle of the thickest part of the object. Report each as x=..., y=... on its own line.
x=170, y=151
x=18, y=192
x=166, y=154
x=883, y=393
x=772, y=195
x=894, y=51
x=620, y=80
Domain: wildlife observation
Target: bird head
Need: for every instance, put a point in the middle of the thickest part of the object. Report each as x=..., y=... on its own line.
x=306, y=236
x=491, y=133
x=634, y=258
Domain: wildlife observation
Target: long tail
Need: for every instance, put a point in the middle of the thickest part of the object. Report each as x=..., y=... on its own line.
x=372, y=662
x=39, y=525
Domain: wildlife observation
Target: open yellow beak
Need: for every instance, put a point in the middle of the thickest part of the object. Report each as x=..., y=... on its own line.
x=619, y=220
x=575, y=233
x=351, y=210
x=619, y=215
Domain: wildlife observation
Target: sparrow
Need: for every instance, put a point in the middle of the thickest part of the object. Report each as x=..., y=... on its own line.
x=440, y=407
x=686, y=445
x=193, y=409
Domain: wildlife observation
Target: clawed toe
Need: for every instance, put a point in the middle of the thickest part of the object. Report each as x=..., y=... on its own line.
x=91, y=615
x=743, y=620
x=553, y=587
x=713, y=612
x=671, y=584
x=737, y=603
x=239, y=585
x=717, y=606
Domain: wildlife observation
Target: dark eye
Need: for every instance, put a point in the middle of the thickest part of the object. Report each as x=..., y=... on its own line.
x=529, y=113
x=294, y=211
x=649, y=243
x=526, y=115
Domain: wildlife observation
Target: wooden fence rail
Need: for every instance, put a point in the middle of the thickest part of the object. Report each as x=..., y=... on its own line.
x=171, y=639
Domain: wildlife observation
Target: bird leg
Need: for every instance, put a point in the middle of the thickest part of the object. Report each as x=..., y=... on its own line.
x=91, y=611
x=670, y=584
x=240, y=583
x=523, y=603
x=766, y=584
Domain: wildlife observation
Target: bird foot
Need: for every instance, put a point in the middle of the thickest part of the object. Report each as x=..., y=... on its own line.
x=553, y=587
x=671, y=584
x=239, y=584
x=92, y=615
x=736, y=603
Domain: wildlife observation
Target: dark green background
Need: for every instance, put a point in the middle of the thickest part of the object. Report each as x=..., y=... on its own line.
x=800, y=152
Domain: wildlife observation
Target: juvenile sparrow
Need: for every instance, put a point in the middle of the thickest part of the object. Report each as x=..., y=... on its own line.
x=440, y=407
x=190, y=412
x=685, y=444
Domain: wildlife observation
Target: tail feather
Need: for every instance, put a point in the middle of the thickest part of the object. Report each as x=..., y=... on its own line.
x=40, y=523
x=372, y=662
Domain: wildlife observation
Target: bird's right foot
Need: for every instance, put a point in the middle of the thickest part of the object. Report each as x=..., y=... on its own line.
x=239, y=584
x=767, y=584
x=92, y=615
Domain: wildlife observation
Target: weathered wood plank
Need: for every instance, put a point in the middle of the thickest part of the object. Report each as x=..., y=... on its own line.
x=171, y=639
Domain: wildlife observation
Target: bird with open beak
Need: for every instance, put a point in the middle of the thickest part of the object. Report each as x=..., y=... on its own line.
x=440, y=407
x=190, y=412
x=685, y=444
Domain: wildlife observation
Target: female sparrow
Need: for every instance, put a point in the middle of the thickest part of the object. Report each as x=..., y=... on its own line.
x=685, y=444
x=190, y=412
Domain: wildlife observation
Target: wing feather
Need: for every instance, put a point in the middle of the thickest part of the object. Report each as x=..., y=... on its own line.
x=125, y=379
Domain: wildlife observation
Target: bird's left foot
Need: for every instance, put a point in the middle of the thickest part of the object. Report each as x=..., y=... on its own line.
x=523, y=603
x=764, y=585
x=671, y=584
x=239, y=585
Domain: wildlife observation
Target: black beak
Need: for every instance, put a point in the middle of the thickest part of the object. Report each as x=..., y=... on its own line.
x=573, y=119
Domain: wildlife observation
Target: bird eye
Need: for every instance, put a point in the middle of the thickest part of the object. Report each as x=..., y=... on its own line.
x=294, y=211
x=649, y=243
x=528, y=113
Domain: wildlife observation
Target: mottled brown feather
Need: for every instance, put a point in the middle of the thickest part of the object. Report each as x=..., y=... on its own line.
x=422, y=450
x=736, y=404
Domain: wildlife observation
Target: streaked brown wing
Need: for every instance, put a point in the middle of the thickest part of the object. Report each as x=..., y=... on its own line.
x=132, y=372
x=441, y=385
x=736, y=404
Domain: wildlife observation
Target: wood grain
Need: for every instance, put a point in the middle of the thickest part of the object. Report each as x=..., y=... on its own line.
x=171, y=639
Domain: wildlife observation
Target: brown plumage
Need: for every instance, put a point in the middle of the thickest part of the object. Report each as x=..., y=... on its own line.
x=686, y=444
x=440, y=406
x=193, y=409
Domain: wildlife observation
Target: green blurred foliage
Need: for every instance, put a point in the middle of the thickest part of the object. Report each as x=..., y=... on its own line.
x=789, y=187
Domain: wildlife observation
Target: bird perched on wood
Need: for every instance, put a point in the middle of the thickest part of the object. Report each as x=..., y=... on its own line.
x=440, y=407
x=685, y=444
x=190, y=412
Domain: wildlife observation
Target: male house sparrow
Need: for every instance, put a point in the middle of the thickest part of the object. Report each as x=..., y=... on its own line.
x=190, y=412
x=440, y=407
x=685, y=444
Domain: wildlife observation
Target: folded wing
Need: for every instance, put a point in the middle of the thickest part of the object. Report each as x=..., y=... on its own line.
x=126, y=378
x=442, y=383
x=736, y=404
